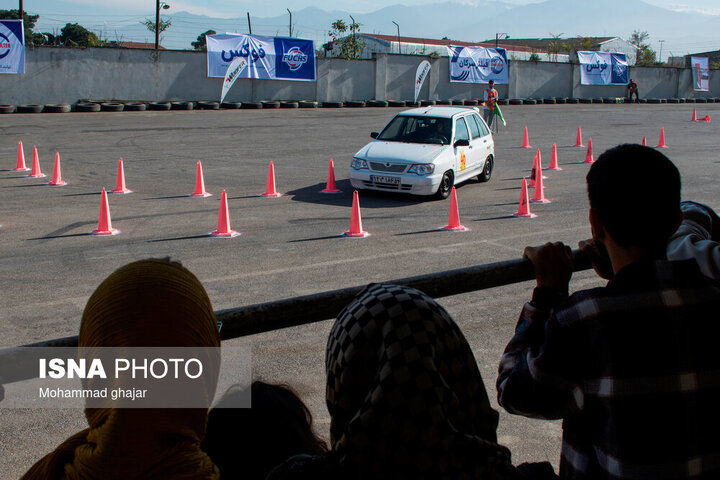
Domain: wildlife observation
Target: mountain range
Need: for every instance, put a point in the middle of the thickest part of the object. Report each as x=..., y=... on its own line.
x=680, y=32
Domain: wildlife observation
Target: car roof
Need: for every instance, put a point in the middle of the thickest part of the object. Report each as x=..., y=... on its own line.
x=438, y=111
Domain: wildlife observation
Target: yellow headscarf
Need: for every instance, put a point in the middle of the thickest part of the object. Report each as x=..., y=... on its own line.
x=144, y=304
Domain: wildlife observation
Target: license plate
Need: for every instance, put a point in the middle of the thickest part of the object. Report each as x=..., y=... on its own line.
x=383, y=179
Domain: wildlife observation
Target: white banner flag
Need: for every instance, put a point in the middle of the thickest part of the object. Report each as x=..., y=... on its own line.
x=268, y=58
x=603, y=68
x=478, y=65
x=233, y=72
x=12, y=46
x=700, y=73
x=420, y=75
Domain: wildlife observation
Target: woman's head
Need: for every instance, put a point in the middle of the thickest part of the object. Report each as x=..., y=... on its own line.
x=149, y=303
x=404, y=392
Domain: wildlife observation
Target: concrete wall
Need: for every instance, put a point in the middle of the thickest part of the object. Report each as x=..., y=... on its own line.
x=62, y=75
x=540, y=80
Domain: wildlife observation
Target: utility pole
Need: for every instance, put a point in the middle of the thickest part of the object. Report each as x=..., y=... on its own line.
x=157, y=25
x=398, y=34
x=660, y=57
x=290, y=27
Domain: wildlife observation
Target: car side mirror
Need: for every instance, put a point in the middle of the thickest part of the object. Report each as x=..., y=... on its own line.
x=461, y=143
x=374, y=134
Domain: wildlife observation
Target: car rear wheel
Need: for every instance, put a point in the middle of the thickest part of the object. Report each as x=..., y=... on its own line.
x=487, y=170
x=446, y=185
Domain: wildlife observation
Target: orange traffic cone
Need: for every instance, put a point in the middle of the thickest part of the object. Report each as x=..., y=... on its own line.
x=526, y=141
x=553, y=159
x=644, y=142
x=524, y=208
x=661, y=142
x=539, y=194
x=536, y=169
x=57, y=180
x=533, y=172
x=36, y=173
x=200, y=183
x=270, y=185
x=694, y=116
x=578, y=139
x=120, y=181
x=589, y=155
x=454, y=216
x=20, y=165
x=330, y=185
x=104, y=221
x=223, y=225
x=356, y=229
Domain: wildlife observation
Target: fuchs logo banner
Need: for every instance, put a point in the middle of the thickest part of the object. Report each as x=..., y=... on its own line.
x=603, y=68
x=268, y=58
x=12, y=48
x=478, y=65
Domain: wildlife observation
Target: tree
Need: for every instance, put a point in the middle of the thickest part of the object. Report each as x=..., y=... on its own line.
x=164, y=24
x=554, y=46
x=350, y=45
x=645, y=54
x=586, y=43
x=28, y=22
x=534, y=57
x=638, y=38
x=75, y=35
x=201, y=44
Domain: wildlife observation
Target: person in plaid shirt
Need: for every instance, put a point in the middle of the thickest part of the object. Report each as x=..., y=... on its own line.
x=632, y=368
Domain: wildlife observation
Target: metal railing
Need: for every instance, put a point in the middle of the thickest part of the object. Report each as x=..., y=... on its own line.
x=292, y=312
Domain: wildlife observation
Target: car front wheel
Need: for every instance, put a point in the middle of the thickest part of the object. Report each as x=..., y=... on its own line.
x=487, y=170
x=446, y=185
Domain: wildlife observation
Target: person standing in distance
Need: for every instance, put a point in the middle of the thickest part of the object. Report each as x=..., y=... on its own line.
x=632, y=88
x=490, y=97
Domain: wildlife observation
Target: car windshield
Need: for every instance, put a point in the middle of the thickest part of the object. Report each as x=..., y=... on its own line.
x=417, y=129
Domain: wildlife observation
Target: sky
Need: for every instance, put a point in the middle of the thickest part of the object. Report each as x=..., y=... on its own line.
x=235, y=8
x=120, y=19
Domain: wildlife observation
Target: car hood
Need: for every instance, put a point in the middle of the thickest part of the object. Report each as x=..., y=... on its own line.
x=399, y=152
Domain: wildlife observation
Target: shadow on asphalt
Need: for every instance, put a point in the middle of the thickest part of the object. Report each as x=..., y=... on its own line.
x=493, y=218
x=434, y=230
x=368, y=198
x=69, y=235
x=327, y=237
x=189, y=237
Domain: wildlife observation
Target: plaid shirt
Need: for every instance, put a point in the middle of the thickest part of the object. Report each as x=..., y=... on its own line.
x=633, y=369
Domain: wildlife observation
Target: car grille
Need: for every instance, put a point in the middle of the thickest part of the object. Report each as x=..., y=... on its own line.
x=384, y=167
x=403, y=187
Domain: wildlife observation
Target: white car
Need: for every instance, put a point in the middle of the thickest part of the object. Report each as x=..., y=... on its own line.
x=425, y=151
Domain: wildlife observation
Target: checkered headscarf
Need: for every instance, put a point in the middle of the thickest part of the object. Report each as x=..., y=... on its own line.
x=405, y=394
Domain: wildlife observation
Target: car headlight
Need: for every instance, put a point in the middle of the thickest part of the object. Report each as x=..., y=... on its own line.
x=422, y=169
x=358, y=164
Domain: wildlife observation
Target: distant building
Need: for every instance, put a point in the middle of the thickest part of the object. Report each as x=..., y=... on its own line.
x=374, y=43
x=149, y=46
x=571, y=45
x=684, y=61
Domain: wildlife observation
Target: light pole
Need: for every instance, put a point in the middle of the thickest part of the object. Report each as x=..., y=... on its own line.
x=398, y=34
x=158, y=5
x=498, y=35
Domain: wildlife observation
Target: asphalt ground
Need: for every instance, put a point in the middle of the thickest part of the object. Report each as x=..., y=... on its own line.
x=290, y=246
